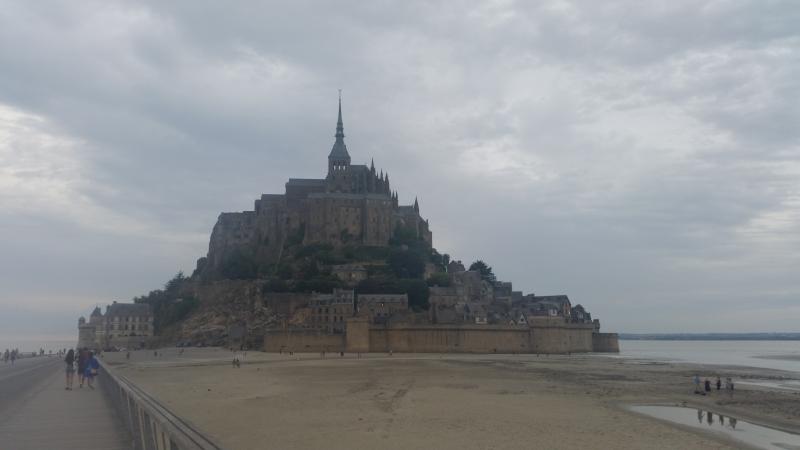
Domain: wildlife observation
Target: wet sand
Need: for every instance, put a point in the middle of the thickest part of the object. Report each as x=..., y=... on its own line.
x=444, y=401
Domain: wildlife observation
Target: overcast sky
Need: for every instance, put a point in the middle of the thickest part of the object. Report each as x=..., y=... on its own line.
x=641, y=157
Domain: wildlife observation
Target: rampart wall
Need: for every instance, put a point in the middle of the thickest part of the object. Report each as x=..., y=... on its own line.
x=605, y=342
x=303, y=341
x=547, y=336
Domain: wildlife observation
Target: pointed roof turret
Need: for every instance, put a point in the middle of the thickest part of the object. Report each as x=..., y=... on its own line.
x=372, y=165
x=339, y=153
x=416, y=204
x=96, y=312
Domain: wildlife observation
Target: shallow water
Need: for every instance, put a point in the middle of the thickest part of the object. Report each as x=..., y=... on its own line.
x=740, y=430
x=784, y=385
x=763, y=354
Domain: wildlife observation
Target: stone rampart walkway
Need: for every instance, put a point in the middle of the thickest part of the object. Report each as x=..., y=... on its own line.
x=54, y=418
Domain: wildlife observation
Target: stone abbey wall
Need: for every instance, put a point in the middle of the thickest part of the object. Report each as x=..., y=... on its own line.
x=545, y=337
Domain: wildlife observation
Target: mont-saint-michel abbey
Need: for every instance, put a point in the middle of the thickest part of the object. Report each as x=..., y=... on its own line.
x=353, y=204
x=338, y=264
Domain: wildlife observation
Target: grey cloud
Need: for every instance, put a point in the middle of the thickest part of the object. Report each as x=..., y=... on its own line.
x=612, y=151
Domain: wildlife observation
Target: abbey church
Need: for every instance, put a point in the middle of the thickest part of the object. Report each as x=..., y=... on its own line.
x=353, y=204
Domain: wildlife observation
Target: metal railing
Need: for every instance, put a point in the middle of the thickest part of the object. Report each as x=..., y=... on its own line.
x=151, y=424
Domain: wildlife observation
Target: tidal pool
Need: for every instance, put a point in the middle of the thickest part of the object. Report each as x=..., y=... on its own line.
x=740, y=430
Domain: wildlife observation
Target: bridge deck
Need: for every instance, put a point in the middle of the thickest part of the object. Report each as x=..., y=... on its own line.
x=54, y=418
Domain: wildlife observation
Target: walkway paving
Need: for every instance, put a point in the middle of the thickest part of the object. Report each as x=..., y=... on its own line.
x=54, y=418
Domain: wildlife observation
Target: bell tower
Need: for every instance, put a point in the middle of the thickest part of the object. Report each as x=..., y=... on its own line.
x=338, y=159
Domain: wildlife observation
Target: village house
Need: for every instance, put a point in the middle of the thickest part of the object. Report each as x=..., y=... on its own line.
x=378, y=308
x=329, y=312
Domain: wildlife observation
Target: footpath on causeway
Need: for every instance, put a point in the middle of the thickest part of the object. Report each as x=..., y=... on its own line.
x=55, y=418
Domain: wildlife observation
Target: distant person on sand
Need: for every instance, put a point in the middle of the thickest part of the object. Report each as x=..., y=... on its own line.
x=696, y=384
x=13, y=356
x=91, y=370
x=719, y=383
x=83, y=356
x=70, y=369
x=708, y=386
x=6, y=356
x=729, y=386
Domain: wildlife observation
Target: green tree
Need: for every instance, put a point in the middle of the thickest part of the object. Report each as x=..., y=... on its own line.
x=406, y=263
x=418, y=294
x=484, y=269
x=171, y=304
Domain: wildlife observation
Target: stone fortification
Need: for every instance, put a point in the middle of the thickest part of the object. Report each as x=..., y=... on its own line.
x=605, y=342
x=361, y=336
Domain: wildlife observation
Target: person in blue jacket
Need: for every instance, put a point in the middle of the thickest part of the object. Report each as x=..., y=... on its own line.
x=91, y=370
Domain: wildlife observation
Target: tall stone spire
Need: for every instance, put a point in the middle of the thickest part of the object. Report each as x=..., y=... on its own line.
x=416, y=204
x=338, y=159
x=339, y=124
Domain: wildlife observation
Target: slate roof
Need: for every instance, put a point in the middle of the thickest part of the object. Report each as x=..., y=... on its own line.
x=553, y=299
x=306, y=182
x=128, y=309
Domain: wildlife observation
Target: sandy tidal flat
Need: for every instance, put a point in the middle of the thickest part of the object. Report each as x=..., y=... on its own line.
x=439, y=401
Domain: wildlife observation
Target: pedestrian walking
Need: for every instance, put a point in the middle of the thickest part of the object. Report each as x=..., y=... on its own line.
x=719, y=383
x=92, y=365
x=69, y=360
x=707, y=386
x=83, y=356
x=729, y=386
x=696, y=383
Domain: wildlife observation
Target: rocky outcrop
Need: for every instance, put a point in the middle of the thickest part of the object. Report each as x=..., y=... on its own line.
x=226, y=309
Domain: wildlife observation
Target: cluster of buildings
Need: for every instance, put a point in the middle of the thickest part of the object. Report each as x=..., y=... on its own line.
x=466, y=299
x=124, y=325
x=469, y=299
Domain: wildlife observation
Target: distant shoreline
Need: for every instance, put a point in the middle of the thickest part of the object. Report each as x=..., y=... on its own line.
x=710, y=337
